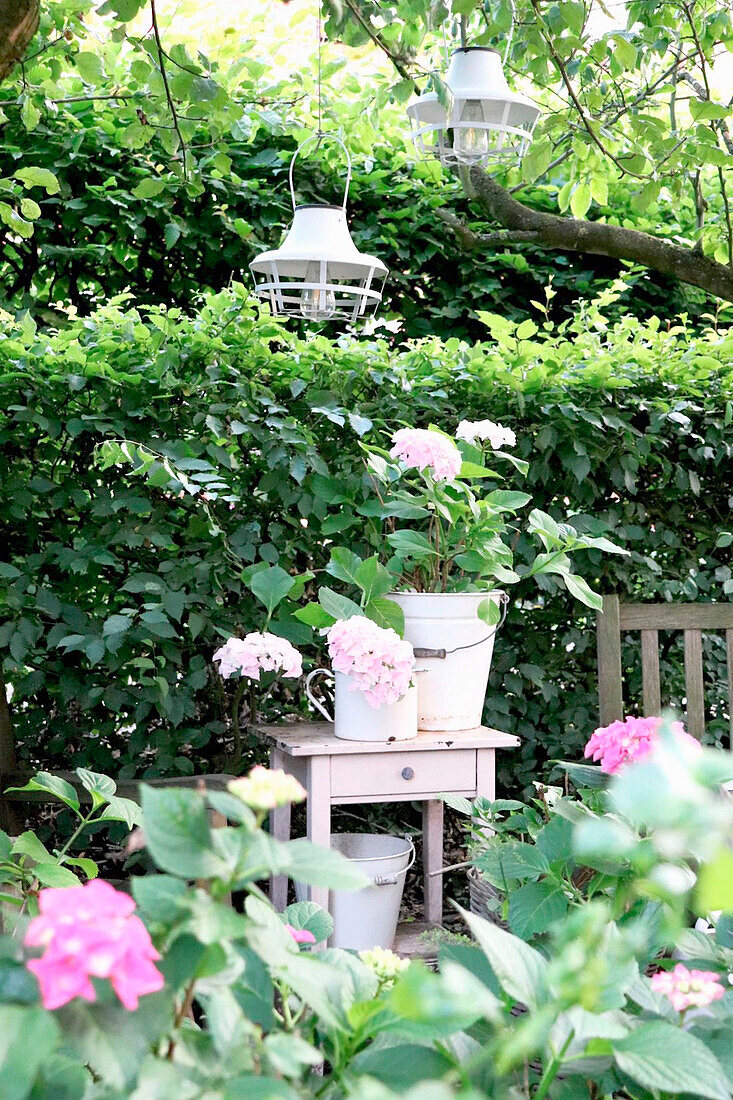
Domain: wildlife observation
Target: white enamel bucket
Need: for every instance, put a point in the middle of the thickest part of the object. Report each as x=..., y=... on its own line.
x=368, y=918
x=452, y=687
x=355, y=720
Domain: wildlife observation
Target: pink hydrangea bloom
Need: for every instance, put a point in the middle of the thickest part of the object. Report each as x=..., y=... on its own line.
x=424, y=450
x=300, y=935
x=479, y=430
x=258, y=653
x=378, y=661
x=89, y=932
x=688, y=988
x=632, y=739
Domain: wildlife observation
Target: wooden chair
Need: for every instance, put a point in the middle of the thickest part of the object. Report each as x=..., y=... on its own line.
x=649, y=619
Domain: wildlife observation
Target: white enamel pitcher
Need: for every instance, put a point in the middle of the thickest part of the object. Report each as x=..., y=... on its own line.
x=355, y=720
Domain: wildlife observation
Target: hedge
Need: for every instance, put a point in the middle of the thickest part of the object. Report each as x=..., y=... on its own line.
x=116, y=589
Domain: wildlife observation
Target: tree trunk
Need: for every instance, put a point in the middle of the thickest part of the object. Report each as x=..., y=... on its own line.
x=553, y=231
x=18, y=24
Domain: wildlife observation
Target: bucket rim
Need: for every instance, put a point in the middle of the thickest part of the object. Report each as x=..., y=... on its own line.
x=370, y=859
x=443, y=595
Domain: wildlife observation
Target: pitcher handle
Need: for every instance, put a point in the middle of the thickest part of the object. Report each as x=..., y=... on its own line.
x=311, y=697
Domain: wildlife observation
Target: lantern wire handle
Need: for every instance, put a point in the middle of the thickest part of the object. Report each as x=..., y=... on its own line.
x=318, y=138
x=512, y=5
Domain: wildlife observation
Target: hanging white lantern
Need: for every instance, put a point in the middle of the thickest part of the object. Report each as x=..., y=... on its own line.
x=318, y=273
x=487, y=122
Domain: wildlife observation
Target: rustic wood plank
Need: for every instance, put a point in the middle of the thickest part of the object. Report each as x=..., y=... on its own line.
x=650, y=672
x=410, y=941
x=676, y=616
x=318, y=739
x=608, y=639
x=729, y=648
x=279, y=830
x=432, y=859
x=694, y=684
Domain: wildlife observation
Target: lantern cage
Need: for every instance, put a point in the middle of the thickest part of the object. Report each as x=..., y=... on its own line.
x=487, y=122
x=318, y=273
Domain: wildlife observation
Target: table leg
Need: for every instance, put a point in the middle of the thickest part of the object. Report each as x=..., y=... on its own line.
x=279, y=830
x=486, y=774
x=318, y=810
x=432, y=858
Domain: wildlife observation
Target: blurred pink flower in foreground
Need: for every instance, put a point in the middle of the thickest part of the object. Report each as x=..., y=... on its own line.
x=88, y=932
x=688, y=988
x=630, y=740
x=258, y=653
x=378, y=661
x=420, y=449
x=300, y=935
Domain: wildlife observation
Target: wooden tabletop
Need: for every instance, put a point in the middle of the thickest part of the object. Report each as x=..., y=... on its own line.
x=318, y=739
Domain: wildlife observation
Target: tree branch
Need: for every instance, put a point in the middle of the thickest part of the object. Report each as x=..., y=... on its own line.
x=164, y=75
x=601, y=239
x=470, y=241
x=377, y=39
x=18, y=24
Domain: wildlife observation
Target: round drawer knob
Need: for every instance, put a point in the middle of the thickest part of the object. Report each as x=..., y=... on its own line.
x=408, y=773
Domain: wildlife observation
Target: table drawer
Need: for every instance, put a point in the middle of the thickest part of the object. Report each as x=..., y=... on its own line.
x=402, y=775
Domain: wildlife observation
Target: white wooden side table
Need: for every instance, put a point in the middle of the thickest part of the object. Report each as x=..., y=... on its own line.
x=335, y=772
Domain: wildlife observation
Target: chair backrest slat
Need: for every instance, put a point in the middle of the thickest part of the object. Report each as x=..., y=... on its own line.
x=693, y=619
x=694, y=686
x=650, y=672
x=729, y=646
x=608, y=637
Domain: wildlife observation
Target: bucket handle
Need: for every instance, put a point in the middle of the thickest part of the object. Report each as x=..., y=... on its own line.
x=392, y=880
x=441, y=654
x=311, y=697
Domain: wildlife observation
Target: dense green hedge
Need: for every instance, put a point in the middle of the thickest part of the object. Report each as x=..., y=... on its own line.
x=116, y=590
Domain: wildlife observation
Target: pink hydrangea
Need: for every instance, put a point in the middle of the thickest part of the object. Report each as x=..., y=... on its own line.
x=424, y=450
x=258, y=653
x=688, y=988
x=632, y=739
x=89, y=932
x=378, y=661
x=300, y=935
x=480, y=430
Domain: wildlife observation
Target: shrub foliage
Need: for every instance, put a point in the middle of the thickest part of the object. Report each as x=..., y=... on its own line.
x=118, y=581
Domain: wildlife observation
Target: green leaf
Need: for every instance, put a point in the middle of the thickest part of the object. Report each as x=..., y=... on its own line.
x=715, y=883
x=664, y=1058
x=411, y=544
x=149, y=188
x=178, y=834
x=582, y=591
x=271, y=586
x=473, y=470
x=386, y=613
x=314, y=615
x=583, y=775
x=520, y=970
x=373, y=579
x=306, y=916
x=580, y=200
x=30, y=116
x=100, y=787
x=38, y=177
x=122, y=809
x=336, y=605
x=53, y=874
x=27, y=1037
x=344, y=565
x=535, y=907
x=54, y=785
x=316, y=866
x=89, y=66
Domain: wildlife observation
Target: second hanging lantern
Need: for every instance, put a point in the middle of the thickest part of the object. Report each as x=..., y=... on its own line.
x=487, y=121
x=318, y=273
